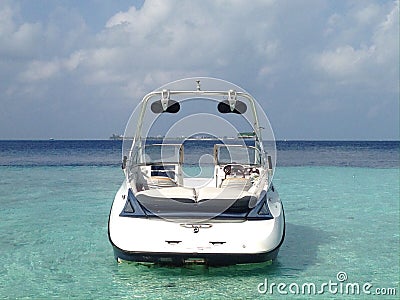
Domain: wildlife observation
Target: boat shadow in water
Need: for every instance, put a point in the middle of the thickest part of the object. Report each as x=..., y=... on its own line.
x=299, y=250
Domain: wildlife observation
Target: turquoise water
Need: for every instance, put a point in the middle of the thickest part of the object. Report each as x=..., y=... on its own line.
x=54, y=241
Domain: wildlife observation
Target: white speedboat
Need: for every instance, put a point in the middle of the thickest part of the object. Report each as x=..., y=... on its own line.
x=187, y=202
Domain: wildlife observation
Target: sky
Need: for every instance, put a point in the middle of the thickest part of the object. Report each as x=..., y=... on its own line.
x=321, y=69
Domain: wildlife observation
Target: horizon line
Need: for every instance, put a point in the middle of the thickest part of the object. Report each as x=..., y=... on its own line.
x=277, y=140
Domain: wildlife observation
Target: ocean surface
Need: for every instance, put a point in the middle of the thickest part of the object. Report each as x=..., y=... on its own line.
x=341, y=203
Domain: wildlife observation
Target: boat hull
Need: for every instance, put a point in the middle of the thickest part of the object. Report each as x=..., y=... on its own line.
x=184, y=241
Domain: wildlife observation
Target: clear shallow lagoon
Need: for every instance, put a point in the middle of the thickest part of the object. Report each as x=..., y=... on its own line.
x=341, y=201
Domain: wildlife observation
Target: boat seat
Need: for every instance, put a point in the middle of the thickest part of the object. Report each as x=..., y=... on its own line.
x=155, y=182
x=238, y=183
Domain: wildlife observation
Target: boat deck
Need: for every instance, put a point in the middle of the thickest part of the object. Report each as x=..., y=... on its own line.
x=195, y=182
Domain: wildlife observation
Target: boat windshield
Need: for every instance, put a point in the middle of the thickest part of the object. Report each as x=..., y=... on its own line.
x=160, y=154
x=237, y=154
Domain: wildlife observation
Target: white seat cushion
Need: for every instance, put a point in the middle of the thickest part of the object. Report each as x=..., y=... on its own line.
x=155, y=182
x=239, y=183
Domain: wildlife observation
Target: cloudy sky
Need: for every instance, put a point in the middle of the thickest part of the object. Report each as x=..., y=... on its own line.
x=321, y=69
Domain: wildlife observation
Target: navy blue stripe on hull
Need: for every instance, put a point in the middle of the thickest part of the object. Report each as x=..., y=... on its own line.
x=213, y=259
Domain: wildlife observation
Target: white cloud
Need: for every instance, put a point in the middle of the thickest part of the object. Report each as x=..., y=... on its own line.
x=368, y=14
x=386, y=37
x=75, y=60
x=345, y=61
x=297, y=52
x=178, y=38
x=39, y=70
x=17, y=40
x=206, y=36
x=371, y=55
x=143, y=20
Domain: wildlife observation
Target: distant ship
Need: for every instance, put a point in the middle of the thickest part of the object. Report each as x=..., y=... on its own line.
x=246, y=135
x=116, y=137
